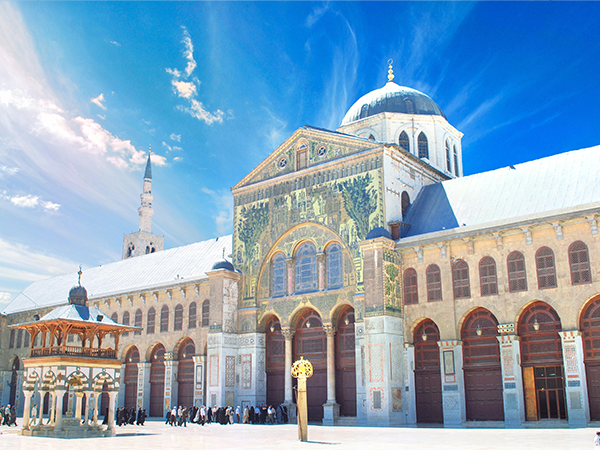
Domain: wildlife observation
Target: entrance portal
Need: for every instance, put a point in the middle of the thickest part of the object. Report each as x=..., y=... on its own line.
x=428, y=381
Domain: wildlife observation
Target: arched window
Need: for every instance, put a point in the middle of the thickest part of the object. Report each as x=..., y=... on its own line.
x=448, y=163
x=115, y=317
x=19, y=338
x=130, y=250
x=405, y=202
x=138, y=320
x=126, y=321
x=278, y=273
x=26, y=339
x=335, y=273
x=302, y=157
x=434, y=284
x=517, y=277
x=460, y=279
x=488, y=280
x=205, y=313
x=306, y=268
x=411, y=293
x=150, y=321
x=403, y=141
x=164, y=319
x=579, y=262
x=371, y=137
x=546, y=271
x=364, y=110
x=11, y=342
x=423, y=146
x=178, y=324
x=410, y=106
x=455, y=161
x=192, y=315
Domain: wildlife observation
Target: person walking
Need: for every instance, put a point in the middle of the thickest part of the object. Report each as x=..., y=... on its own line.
x=33, y=416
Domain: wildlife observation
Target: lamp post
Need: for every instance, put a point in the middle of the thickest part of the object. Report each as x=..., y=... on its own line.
x=301, y=370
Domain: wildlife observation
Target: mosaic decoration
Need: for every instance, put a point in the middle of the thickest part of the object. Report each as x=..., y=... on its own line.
x=230, y=371
x=396, y=399
x=247, y=371
x=377, y=397
x=392, y=282
x=451, y=402
x=396, y=361
x=214, y=370
x=375, y=362
x=362, y=365
x=571, y=359
x=507, y=361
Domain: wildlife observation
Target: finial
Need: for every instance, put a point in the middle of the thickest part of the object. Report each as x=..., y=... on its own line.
x=79, y=273
x=149, y=149
x=223, y=253
x=390, y=70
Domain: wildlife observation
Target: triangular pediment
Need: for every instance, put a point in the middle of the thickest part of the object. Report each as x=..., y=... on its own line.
x=321, y=146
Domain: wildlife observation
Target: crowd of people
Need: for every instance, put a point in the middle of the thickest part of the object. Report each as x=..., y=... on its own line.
x=180, y=416
x=8, y=415
x=128, y=416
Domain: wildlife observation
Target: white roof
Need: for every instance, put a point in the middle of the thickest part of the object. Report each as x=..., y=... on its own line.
x=155, y=270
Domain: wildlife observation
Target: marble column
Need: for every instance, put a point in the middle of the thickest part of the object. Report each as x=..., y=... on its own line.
x=290, y=276
x=78, y=404
x=41, y=411
x=512, y=379
x=575, y=378
x=57, y=406
x=112, y=395
x=288, y=335
x=90, y=400
x=409, y=383
x=321, y=273
x=331, y=410
x=453, y=387
x=97, y=396
x=26, y=408
x=52, y=418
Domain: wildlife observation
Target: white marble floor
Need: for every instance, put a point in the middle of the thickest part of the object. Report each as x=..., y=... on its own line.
x=156, y=435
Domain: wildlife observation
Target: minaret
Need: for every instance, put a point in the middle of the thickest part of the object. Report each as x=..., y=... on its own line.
x=143, y=241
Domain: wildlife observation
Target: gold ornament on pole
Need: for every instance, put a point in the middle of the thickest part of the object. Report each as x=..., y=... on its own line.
x=302, y=369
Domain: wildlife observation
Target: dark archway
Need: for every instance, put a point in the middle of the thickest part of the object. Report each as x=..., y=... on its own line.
x=481, y=365
x=345, y=363
x=185, y=373
x=275, y=368
x=428, y=380
x=14, y=378
x=589, y=324
x=311, y=343
x=131, y=377
x=157, y=381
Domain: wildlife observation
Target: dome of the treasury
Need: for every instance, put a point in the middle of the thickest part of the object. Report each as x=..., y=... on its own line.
x=392, y=98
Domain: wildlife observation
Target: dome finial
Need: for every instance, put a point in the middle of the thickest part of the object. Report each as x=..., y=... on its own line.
x=79, y=273
x=390, y=70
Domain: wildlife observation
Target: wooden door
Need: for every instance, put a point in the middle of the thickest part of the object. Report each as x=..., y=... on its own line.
x=484, y=395
x=345, y=364
x=428, y=384
x=592, y=371
x=531, y=410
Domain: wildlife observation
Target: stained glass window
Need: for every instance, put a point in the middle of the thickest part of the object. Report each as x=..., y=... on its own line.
x=278, y=271
x=423, y=146
x=404, y=142
x=306, y=268
x=334, y=266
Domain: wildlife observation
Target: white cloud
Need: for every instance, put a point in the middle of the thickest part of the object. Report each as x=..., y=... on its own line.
x=175, y=137
x=184, y=89
x=4, y=296
x=223, y=202
x=49, y=206
x=188, y=53
x=198, y=111
x=177, y=158
x=98, y=101
x=158, y=160
x=100, y=116
x=25, y=201
x=8, y=170
x=171, y=148
x=115, y=43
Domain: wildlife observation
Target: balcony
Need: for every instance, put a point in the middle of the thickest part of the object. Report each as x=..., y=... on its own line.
x=65, y=350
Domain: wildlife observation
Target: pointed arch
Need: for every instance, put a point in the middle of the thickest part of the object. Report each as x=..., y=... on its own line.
x=423, y=146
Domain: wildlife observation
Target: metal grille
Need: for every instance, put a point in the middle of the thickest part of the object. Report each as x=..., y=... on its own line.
x=411, y=293
x=541, y=345
x=434, y=284
x=427, y=352
x=488, y=280
x=460, y=279
x=590, y=329
x=579, y=262
x=480, y=345
x=546, y=271
x=517, y=277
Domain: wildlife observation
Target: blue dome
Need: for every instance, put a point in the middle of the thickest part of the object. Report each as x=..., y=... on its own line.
x=379, y=232
x=392, y=98
x=223, y=265
x=78, y=295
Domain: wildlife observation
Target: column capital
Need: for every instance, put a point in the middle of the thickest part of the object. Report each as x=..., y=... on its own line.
x=288, y=333
x=449, y=343
x=508, y=338
x=569, y=336
x=329, y=330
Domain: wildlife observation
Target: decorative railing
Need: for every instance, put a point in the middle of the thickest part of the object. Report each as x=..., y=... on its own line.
x=66, y=350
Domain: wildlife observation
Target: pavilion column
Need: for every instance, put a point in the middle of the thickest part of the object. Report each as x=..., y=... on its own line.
x=26, y=407
x=88, y=402
x=78, y=404
x=97, y=395
x=331, y=410
x=41, y=411
x=57, y=406
x=52, y=419
x=112, y=395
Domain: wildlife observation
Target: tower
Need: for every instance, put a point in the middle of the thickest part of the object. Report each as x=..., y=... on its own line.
x=143, y=241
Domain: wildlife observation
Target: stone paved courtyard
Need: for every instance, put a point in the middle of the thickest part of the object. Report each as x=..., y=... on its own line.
x=156, y=435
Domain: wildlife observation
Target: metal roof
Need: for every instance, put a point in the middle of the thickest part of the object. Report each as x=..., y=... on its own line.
x=155, y=270
x=513, y=193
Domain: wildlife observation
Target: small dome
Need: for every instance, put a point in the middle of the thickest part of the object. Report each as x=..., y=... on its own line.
x=379, y=232
x=223, y=265
x=78, y=295
x=392, y=98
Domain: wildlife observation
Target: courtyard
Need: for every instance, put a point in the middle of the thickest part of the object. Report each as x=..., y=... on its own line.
x=156, y=435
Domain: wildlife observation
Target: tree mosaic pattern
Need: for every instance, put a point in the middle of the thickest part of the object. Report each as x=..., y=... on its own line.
x=360, y=202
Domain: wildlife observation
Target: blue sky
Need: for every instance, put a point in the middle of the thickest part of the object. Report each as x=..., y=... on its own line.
x=86, y=88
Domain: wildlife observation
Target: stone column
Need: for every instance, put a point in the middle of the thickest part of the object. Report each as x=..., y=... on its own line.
x=26, y=408
x=512, y=378
x=331, y=410
x=290, y=276
x=78, y=404
x=112, y=395
x=52, y=418
x=575, y=378
x=409, y=383
x=89, y=401
x=57, y=406
x=41, y=411
x=170, y=383
x=198, y=380
x=321, y=273
x=453, y=387
x=288, y=334
x=144, y=385
x=97, y=396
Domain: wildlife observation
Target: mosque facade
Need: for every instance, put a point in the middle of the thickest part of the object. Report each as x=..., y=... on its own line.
x=418, y=294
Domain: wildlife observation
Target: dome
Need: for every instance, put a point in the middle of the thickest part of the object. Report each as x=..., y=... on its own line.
x=392, y=98
x=77, y=295
x=223, y=265
x=378, y=232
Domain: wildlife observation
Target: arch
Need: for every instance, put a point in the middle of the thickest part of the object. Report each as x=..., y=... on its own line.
x=205, y=313
x=192, y=318
x=579, y=263
x=517, y=273
x=185, y=374
x=434, y=283
x=423, y=146
x=14, y=378
x=411, y=291
x=164, y=319
x=404, y=142
x=126, y=322
x=405, y=203
x=137, y=320
x=334, y=265
x=428, y=381
x=157, y=380
x=589, y=324
x=460, y=279
x=275, y=361
x=456, y=167
x=345, y=362
x=542, y=362
x=310, y=342
x=305, y=267
x=178, y=321
x=448, y=163
x=279, y=278
x=481, y=365
x=488, y=278
x=151, y=321
x=132, y=358
x=546, y=270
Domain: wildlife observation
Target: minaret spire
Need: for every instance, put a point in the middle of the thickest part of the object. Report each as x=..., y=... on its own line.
x=390, y=70
x=148, y=173
x=145, y=211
